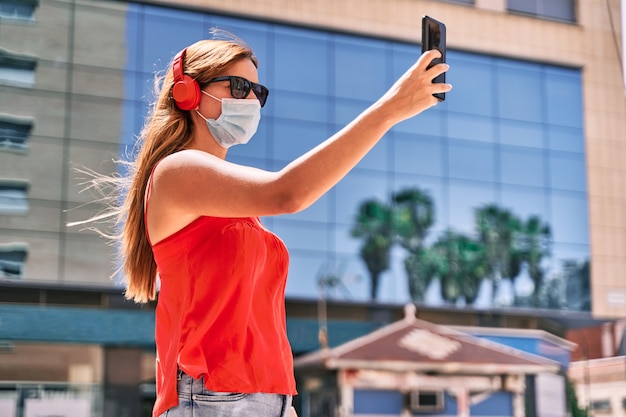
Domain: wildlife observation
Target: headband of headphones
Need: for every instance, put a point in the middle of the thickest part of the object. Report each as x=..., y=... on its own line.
x=186, y=91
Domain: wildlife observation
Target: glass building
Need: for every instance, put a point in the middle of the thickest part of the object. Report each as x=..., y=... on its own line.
x=507, y=145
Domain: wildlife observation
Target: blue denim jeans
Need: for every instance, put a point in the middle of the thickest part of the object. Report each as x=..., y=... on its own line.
x=194, y=400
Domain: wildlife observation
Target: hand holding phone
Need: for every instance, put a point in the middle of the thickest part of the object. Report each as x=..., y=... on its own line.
x=434, y=37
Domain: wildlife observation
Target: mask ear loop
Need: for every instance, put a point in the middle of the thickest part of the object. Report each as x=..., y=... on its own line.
x=211, y=95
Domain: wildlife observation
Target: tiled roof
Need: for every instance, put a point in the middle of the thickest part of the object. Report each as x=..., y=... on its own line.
x=418, y=345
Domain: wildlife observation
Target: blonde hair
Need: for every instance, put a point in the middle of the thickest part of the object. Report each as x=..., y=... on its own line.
x=167, y=130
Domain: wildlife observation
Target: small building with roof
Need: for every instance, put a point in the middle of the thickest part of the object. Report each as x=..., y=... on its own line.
x=416, y=368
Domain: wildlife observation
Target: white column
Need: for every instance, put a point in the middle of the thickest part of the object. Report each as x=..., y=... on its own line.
x=346, y=396
x=463, y=402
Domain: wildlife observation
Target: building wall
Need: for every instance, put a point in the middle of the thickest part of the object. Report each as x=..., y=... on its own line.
x=489, y=29
x=75, y=103
x=599, y=385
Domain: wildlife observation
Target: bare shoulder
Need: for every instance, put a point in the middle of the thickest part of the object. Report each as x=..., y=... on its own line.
x=187, y=159
x=192, y=183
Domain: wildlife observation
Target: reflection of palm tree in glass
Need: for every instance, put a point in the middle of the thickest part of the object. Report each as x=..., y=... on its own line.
x=531, y=245
x=414, y=214
x=461, y=266
x=374, y=225
x=497, y=227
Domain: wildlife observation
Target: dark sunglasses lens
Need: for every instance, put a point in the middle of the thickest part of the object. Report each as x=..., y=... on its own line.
x=239, y=87
x=261, y=93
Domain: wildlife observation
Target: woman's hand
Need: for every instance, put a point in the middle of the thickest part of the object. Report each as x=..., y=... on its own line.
x=413, y=92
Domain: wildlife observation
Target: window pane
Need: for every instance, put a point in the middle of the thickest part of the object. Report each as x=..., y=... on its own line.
x=472, y=127
x=566, y=139
x=13, y=198
x=296, y=138
x=16, y=10
x=17, y=69
x=519, y=91
x=514, y=132
x=526, y=201
x=303, y=273
x=473, y=80
x=569, y=217
x=523, y=6
x=353, y=190
x=551, y=9
x=159, y=46
x=309, y=72
x=522, y=166
x=465, y=197
x=298, y=106
x=564, y=97
x=299, y=235
x=558, y=9
x=12, y=259
x=360, y=68
x=471, y=161
x=417, y=154
x=568, y=171
x=14, y=132
x=431, y=122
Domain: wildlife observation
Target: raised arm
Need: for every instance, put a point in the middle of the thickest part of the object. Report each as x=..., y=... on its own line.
x=197, y=183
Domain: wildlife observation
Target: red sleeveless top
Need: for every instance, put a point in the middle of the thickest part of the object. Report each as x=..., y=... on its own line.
x=221, y=310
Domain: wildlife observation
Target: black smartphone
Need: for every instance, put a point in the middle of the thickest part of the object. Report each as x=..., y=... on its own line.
x=434, y=37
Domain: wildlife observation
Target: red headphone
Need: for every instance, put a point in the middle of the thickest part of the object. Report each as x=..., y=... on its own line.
x=186, y=91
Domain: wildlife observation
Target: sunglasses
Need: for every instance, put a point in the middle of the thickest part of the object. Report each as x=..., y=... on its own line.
x=240, y=87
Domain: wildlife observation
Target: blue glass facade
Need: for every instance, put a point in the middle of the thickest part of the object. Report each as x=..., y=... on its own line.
x=509, y=136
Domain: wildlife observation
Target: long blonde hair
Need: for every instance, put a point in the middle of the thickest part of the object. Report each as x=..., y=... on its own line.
x=167, y=130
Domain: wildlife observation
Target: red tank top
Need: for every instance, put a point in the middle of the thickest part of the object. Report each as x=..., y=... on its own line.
x=221, y=310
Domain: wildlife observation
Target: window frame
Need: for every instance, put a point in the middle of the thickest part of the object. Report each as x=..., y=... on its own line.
x=30, y=5
x=13, y=253
x=540, y=14
x=15, y=127
x=24, y=64
x=12, y=184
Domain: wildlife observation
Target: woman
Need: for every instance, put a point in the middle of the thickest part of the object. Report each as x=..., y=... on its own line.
x=193, y=218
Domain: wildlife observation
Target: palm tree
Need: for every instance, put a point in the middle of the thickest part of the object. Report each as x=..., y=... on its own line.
x=374, y=226
x=414, y=214
x=497, y=228
x=532, y=244
x=462, y=266
x=421, y=268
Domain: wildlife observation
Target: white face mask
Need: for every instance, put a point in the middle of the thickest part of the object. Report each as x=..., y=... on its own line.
x=237, y=123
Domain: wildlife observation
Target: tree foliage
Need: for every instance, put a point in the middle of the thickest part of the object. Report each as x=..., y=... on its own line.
x=501, y=244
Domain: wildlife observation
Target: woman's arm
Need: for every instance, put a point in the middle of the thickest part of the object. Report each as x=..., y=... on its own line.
x=198, y=183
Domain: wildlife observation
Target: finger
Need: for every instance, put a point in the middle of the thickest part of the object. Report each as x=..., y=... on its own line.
x=428, y=56
x=437, y=70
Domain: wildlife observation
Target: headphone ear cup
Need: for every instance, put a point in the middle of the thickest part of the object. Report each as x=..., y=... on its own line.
x=186, y=93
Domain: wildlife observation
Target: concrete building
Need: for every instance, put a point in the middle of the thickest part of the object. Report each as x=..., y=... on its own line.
x=534, y=129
